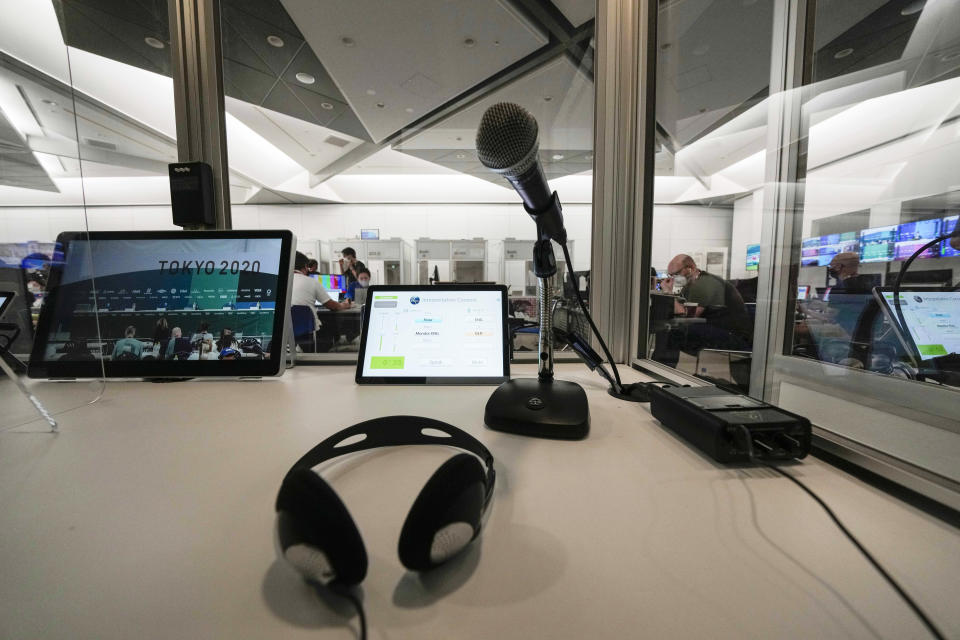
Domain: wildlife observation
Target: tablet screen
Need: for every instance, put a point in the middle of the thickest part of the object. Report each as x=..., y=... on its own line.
x=165, y=304
x=932, y=318
x=440, y=334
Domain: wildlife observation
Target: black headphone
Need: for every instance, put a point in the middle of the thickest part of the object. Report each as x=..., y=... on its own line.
x=319, y=538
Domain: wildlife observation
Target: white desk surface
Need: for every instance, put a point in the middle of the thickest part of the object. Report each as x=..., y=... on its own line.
x=151, y=516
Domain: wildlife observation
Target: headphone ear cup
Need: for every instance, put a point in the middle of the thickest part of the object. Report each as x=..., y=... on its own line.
x=316, y=533
x=445, y=517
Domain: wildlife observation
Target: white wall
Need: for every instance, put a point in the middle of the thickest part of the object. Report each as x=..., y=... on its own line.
x=493, y=222
x=688, y=229
x=747, y=221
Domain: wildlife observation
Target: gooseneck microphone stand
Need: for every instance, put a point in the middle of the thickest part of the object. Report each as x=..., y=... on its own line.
x=542, y=406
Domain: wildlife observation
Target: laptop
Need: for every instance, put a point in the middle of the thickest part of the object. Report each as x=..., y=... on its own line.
x=435, y=334
x=932, y=319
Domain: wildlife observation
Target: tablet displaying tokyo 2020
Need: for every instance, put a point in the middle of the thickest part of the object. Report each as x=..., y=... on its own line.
x=165, y=304
x=439, y=334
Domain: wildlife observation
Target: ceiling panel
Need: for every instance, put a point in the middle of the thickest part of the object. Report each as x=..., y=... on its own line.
x=305, y=143
x=559, y=97
x=397, y=61
x=577, y=11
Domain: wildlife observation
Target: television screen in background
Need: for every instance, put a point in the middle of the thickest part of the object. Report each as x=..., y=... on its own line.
x=753, y=257
x=810, y=252
x=878, y=244
x=949, y=224
x=913, y=235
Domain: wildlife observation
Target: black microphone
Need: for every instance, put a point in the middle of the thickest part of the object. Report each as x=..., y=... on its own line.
x=507, y=144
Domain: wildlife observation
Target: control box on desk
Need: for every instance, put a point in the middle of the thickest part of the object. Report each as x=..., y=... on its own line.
x=717, y=422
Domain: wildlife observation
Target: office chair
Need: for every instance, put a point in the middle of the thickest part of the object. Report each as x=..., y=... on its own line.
x=303, y=324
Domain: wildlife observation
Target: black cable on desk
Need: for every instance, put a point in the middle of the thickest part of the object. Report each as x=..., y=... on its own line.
x=866, y=554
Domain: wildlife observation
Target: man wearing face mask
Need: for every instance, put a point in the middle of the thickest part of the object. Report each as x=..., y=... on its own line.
x=845, y=268
x=727, y=325
x=362, y=282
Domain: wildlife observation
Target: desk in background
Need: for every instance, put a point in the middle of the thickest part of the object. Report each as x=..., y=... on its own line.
x=151, y=516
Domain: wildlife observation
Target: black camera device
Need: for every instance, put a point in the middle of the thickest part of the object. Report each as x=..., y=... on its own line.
x=717, y=422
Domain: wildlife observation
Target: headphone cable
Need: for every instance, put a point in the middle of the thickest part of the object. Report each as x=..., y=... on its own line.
x=866, y=554
x=348, y=594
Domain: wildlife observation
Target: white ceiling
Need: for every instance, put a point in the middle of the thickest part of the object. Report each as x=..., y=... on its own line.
x=577, y=11
x=408, y=58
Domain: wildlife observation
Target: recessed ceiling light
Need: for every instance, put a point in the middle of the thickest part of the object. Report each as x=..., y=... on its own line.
x=371, y=92
x=557, y=156
x=461, y=156
x=347, y=41
x=275, y=41
x=950, y=57
x=469, y=43
x=153, y=42
x=49, y=102
x=913, y=7
x=408, y=110
x=701, y=49
x=843, y=53
x=380, y=105
x=305, y=78
x=547, y=98
x=326, y=105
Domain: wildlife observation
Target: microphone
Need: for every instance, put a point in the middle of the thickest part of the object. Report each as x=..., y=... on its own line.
x=507, y=144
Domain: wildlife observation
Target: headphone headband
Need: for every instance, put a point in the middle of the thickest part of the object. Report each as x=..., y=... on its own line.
x=393, y=431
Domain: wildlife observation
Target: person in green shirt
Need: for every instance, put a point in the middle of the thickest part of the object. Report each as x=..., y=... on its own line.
x=726, y=324
x=128, y=347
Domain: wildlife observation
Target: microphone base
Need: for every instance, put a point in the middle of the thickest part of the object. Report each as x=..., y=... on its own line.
x=529, y=407
x=635, y=392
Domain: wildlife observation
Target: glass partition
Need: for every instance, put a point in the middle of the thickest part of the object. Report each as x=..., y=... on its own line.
x=87, y=124
x=713, y=78
x=802, y=207
x=352, y=120
x=878, y=189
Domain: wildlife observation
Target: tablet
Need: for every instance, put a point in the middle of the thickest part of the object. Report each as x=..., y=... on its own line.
x=165, y=304
x=439, y=334
x=932, y=318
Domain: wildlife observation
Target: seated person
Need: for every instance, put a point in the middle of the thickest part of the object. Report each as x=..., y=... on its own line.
x=203, y=341
x=362, y=281
x=226, y=340
x=845, y=267
x=312, y=267
x=128, y=347
x=727, y=324
x=308, y=292
x=178, y=345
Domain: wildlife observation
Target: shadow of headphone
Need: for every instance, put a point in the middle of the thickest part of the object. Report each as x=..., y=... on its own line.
x=318, y=537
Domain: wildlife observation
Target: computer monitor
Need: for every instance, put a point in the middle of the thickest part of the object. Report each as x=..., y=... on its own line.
x=947, y=227
x=810, y=252
x=332, y=282
x=129, y=294
x=932, y=319
x=753, y=257
x=878, y=244
x=913, y=235
x=803, y=291
x=369, y=234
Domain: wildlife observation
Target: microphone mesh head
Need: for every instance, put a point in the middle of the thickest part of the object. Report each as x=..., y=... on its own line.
x=507, y=139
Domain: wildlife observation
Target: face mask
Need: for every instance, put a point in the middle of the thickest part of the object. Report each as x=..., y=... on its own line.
x=363, y=283
x=679, y=281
